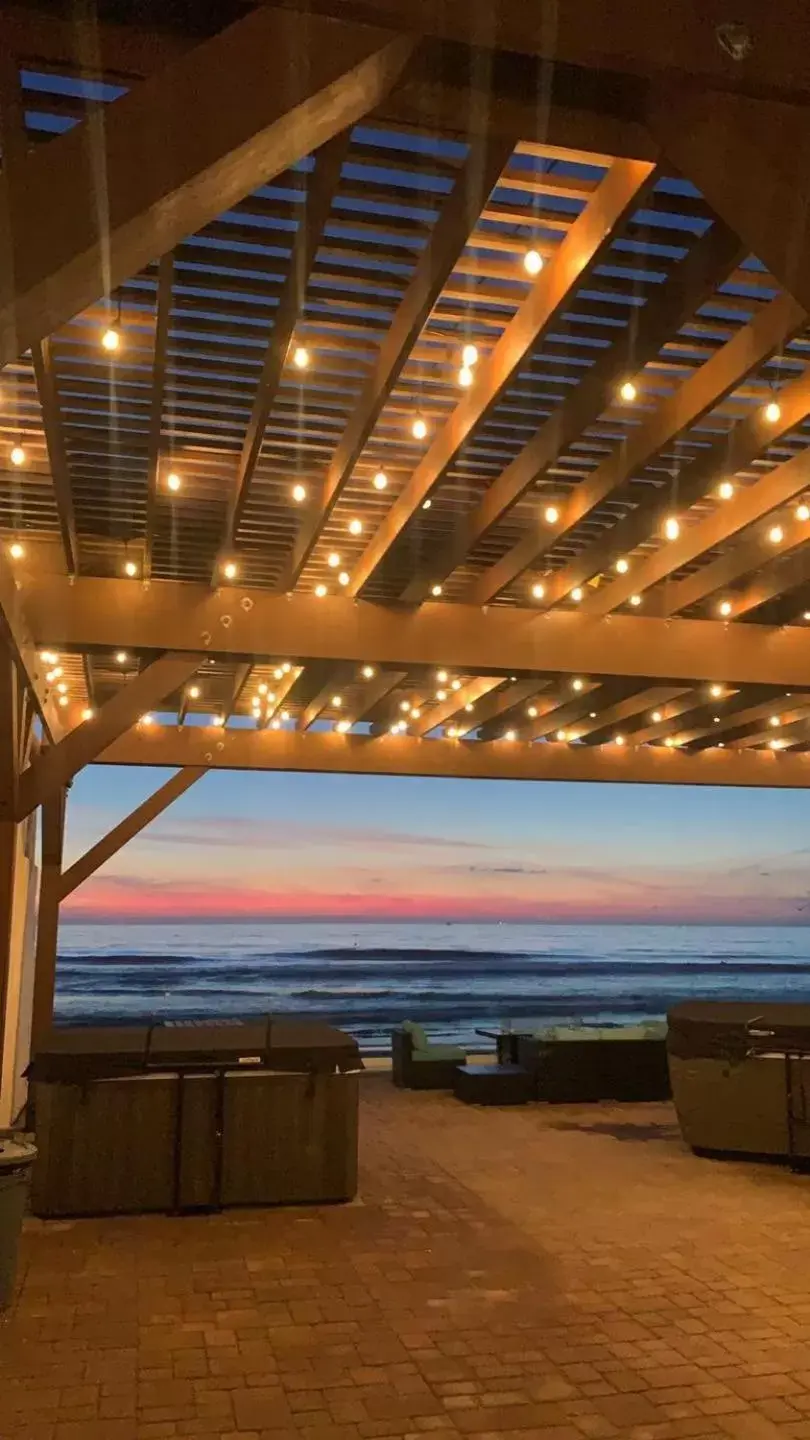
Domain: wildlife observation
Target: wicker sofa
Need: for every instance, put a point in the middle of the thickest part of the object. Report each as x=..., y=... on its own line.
x=420, y=1065
x=579, y=1064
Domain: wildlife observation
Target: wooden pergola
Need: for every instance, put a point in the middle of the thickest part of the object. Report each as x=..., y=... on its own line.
x=397, y=389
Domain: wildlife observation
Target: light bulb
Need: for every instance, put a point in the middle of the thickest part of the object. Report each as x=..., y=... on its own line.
x=286, y=667
x=510, y=735
x=436, y=591
x=111, y=338
x=628, y=391
x=806, y=615
x=776, y=534
x=635, y=600
x=415, y=714
x=394, y=729
x=16, y=550
x=147, y=719
x=299, y=494
x=301, y=357
x=426, y=504
x=263, y=689
x=380, y=480
x=775, y=744
x=469, y=707
x=562, y=735
x=532, y=262
x=538, y=590
x=725, y=607
x=405, y=706
x=121, y=657
x=368, y=672
x=803, y=513
x=469, y=355
x=343, y=577
x=577, y=593
x=218, y=720
x=337, y=701
x=577, y=684
x=441, y=694
x=715, y=691
x=87, y=713
x=275, y=724
x=774, y=721
x=342, y=726
x=333, y=560
x=62, y=687
x=532, y=712
x=451, y=732
x=48, y=657
x=173, y=480
x=63, y=700
x=278, y=673
x=17, y=455
x=551, y=514
x=320, y=591
x=622, y=566
x=355, y=527
x=671, y=528
x=455, y=685
x=130, y=568
x=773, y=412
x=419, y=428
x=229, y=570
x=725, y=490
x=618, y=739
x=656, y=717
x=194, y=692
x=441, y=676
x=669, y=742
x=465, y=377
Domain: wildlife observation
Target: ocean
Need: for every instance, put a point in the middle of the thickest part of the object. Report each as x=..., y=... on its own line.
x=455, y=978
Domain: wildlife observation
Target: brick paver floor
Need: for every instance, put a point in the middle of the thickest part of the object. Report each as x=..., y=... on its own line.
x=554, y=1272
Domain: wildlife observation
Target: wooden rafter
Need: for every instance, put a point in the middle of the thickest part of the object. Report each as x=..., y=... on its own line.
x=581, y=249
x=47, y=388
x=308, y=237
x=154, y=450
x=695, y=279
x=608, y=717
x=478, y=176
x=473, y=693
x=698, y=394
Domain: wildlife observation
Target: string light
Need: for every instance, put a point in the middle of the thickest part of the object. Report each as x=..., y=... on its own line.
x=299, y=494
x=532, y=712
x=672, y=528
x=286, y=667
x=551, y=515
x=635, y=600
x=656, y=717
x=628, y=391
x=301, y=357
x=806, y=615
x=451, y=732
x=355, y=527
x=342, y=726
x=147, y=719
x=426, y=504
x=380, y=480
x=532, y=262
x=622, y=566
x=465, y=377
x=54, y=675
x=436, y=591
x=320, y=591
x=111, y=338
x=725, y=490
x=275, y=724
x=194, y=692
x=776, y=744
x=87, y=713
x=173, y=480
x=415, y=714
x=577, y=684
x=48, y=657
x=337, y=701
x=62, y=687
x=441, y=676
x=776, y=534
x=229, y=570
x=441, y=694
x=538, y=590
x=122, y=657
x=17, y=456
x=510, y=735
x=562, y=734
x=333, y=560
x=405, y=707
x=368, y=672
x=577, y=594
x=63, y=700
x=775, y=721
x=218, y=720
x=803, y=513
x=130, y=568
x=715, y=719
x=263, y=689
x=618, y=739
x=715, y=691
x=343, y=577
x=16, y=550
x=278, y=673
x=455, y=685
x=773, y=412
x=419, y=428
x=725, y=607
x=469, y=356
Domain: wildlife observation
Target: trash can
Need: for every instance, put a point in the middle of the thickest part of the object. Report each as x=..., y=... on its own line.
x=17, y=1155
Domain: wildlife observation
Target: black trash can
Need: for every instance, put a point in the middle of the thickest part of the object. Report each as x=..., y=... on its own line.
x=17, y=1155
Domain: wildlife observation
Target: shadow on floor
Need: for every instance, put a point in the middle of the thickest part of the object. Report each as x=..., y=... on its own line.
x=624, y=1130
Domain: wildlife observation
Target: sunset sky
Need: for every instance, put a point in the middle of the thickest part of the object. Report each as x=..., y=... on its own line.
x=297, y=846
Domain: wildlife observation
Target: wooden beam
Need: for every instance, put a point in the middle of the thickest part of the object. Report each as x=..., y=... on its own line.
x=569, y=710
x=746, y=507
x=375, y=690
x=323, y=699
x=329, y=753
x=692, y=399
x=55, y=766
x=612, y=717
x=321, y=190
x=47, y=389
x=432, y=715
x=591, y=233
x=694, y=280
x=127, y=829
x=776, y=579
x=434, y=266
x=32, y=670
x=53, y=839
x=153, y=458
x=108, y=614
x=178, y=150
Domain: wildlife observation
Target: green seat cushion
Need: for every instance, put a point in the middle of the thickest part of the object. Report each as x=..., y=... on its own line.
x=652, y=1030
x=439, y=1052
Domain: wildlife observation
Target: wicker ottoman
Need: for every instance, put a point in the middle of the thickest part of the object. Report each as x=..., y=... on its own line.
x=492, y=1085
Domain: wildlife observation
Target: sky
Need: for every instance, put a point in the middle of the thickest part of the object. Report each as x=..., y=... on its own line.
x=250, y=846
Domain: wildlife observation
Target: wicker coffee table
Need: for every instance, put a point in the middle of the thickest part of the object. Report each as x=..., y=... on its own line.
x=492, y=1084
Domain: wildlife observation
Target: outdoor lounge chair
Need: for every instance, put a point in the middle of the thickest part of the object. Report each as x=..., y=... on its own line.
x=420, y=1065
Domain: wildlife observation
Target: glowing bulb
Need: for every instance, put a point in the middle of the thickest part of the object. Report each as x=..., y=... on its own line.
x=343, y=577
x=465, y=377
x=368, y=672
x=299, y=494
x=419, y=428
x=229, y=570
x=618, y=739
x=577, y=684
x=455, y=685
x=669, y=742
x=803, y=513
x=671, y=528
x=194, y=692
x=130, y=568
x=263, y=688
x=337, y=701
x=278, y=673
x=441, y=676
x=17, y=455
x=394, y=729
x=715, y=719
x=622, y=566
x=725, y=607
x=320, y=591
x=551, y=514
x=173, y=480
x=510, y=735
x=776, y=534
x=218, y=720
x=715, y=691
x=562, y=734
x=451, y=732
x=628, y=391
x=532, y=712
x=48, y=657
x=111, y=338
x=355, y=527
x=62, y=687
x=380, y=480
x=147, y=719
x=806, y=615
x=775, y=721
x=301, y=357
x=426, y=504
x=441, y=694
x=635, y=600
x=532, y=262
x=275, y=724
x=334, y=560
x=577, y=593
x=16, y=550
x=725, y=490
x=436, y=591
x=121, y=657
x=538, y=591
x=773, y=412
x=415, y=714
x=54, y=674
x=405, y=706
x=87, y=713
x=342, y=726
x=656, y=717
x=63, y=700
x=469, y=355
x=286, y=668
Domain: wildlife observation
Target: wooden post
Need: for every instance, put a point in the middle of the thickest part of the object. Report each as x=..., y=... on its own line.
x=53, y=835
